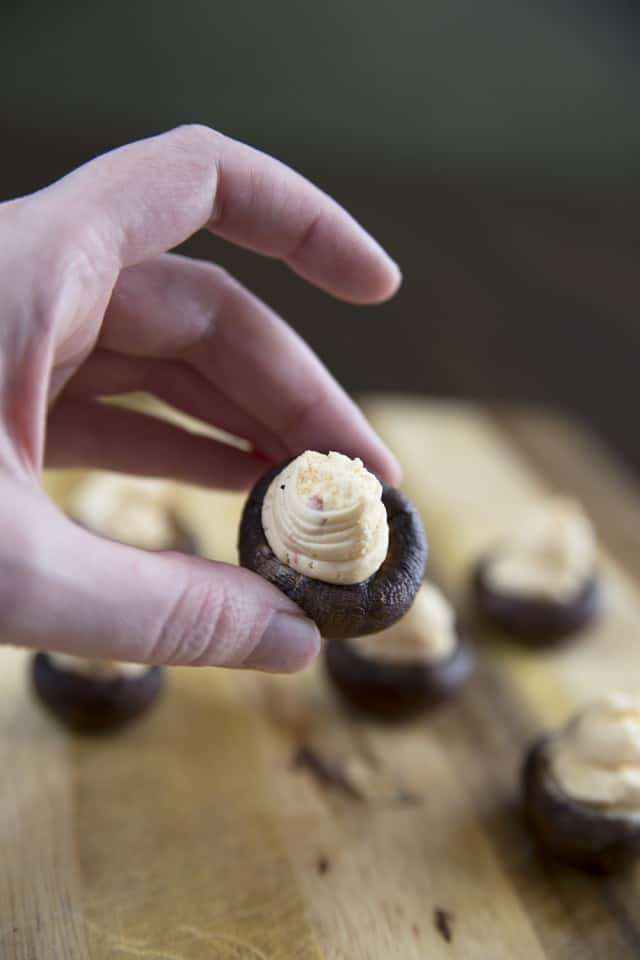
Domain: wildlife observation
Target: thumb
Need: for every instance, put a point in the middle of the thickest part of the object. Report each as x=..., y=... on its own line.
x=65, y=589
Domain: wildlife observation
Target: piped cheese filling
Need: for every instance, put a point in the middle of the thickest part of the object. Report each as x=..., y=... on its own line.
x=323, y=516
x=426, y=632
x=551, y=555
x=596, y=757
x=97, y=669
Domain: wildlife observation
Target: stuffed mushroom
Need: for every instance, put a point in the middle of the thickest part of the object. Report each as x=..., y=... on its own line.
x=418, y=663
x=540, y=584
x=348, y=549
x=94, y=696
x=91, y=695
x=582, y=786
x=138, y=511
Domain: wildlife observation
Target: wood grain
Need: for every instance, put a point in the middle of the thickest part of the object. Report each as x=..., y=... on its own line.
x=252, y=816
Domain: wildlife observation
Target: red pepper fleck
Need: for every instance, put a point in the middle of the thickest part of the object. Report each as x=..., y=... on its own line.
x=316, y=502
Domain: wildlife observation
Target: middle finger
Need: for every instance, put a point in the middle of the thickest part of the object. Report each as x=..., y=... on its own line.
x=177, y=307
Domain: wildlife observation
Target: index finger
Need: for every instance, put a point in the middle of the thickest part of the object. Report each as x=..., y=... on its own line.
x=149, y=196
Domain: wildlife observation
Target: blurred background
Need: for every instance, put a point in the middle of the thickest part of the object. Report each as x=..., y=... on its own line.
x=492, y=147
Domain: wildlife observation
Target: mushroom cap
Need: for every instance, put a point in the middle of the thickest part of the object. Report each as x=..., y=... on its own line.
x=537, y=620
x=90, y=704
x=343, y=610
x=571, y=830
x=396, y=691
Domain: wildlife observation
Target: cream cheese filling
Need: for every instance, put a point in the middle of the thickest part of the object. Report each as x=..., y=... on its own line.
x=550, y=555
x=97, y=669
x=133, y=510
x=595, y=759
x=427, y=632
x=323, y=516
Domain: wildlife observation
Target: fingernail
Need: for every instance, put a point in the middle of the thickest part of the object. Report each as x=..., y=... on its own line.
x=398, y=271
x=288, y=644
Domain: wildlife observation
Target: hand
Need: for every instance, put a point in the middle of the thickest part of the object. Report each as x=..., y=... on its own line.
x=92, y=306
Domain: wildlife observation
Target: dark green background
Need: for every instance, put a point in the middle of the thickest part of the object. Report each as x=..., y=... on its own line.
x=493, y=147
x=413, y=85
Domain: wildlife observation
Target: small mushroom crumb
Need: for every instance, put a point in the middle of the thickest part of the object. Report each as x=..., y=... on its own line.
x=443, y=922
x=327, y=774
x=408, y=798
x=322, y=865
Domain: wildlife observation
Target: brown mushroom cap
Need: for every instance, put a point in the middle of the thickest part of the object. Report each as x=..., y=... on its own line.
x=537, y=620
x=343, y=610
x=396, y=691
x=88, y=704
x=570, y=830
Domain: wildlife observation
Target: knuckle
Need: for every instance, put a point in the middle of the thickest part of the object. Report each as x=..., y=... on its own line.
x=223, y=295
x=213, y=296
x=65, y=228
x=198, y=149
x=81, y=264
x=69, y=265
x=213, y=286
x=197, y=136
x=53, y=257
x=203, y=626
x=77, y=278
x=219, y=278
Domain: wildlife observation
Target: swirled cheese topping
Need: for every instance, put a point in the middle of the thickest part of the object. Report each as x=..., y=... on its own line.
x=596, y=758
x=550, y=555
x=97, y=669
x=426, y=632
x=133, y=510
x=323, y=516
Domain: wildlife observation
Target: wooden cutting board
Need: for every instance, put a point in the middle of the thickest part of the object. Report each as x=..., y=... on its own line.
x=250, y=816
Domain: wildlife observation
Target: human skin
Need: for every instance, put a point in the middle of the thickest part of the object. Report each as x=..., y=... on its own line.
x=93, y=305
